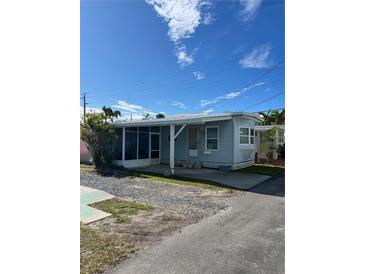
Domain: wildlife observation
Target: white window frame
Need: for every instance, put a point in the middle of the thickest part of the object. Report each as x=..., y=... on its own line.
x=249, y=136
x=282, y=139
x=252, y=136
x=159, y=146
x=206, y=138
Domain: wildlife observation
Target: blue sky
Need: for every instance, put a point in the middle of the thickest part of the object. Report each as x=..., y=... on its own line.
x=182, y=56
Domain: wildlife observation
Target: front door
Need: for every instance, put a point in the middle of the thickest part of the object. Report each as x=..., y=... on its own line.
x=193, y=141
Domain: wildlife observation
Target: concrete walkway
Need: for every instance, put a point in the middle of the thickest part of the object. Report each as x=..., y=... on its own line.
x=248, y=238
x=89, y=196
x=238, y=180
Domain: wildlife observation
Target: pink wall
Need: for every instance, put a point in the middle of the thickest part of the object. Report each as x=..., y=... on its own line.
x=85, y=155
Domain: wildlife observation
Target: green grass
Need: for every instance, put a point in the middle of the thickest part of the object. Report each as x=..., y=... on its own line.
x=85, y=166
x=122, y=172
x=261, y=169
x=120, y=209
x=98, y=250
x=181, y=181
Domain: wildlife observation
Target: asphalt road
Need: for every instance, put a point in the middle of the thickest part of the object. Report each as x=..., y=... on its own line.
x=247, y=238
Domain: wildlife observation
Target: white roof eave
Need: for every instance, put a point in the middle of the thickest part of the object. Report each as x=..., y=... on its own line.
x=186, y=120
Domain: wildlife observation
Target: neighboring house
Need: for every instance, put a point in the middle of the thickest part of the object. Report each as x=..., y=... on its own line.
x=85, y=155
x=261, y=142
x=226, y=139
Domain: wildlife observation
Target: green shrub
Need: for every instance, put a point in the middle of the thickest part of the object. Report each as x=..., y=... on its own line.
x=98, y=131
x=281, y=151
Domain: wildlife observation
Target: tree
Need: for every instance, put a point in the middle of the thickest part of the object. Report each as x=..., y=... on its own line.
x=273, y=117
x=110, y=114
x=269, y=137
x=99, y=132
x=146, y=116
x=266, y=117
x=160, y=116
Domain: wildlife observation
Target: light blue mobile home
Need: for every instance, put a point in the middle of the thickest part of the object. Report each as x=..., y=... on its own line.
x=226, y=139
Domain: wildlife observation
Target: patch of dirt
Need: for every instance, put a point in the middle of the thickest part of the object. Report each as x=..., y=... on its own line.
x=144, y=228
x=140, y=232
x=219, y=193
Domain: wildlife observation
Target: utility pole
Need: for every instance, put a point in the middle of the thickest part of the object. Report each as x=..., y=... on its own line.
x=84, y=97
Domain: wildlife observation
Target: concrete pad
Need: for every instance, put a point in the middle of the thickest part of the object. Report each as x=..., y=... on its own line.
x=89, y=196
x=239, y=180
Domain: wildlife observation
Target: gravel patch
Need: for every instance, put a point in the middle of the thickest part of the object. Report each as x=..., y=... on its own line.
x=194, y=203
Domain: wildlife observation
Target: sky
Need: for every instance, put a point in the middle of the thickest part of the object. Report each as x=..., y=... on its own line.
x=182, y=56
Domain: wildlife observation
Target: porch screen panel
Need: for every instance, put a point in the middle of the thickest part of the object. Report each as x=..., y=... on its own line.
x=155, y=129
x=143, y=143
x=130, y=145
x=155, y=146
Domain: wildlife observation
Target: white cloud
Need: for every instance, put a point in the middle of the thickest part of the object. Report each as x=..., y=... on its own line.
x=208, y=111
x=137, y=111
x=182, y=18
x=183, y=58
x=199, y=75
x=126, y=109
x=250, y=8
x=178, y=104
x=207, y=102
x=231, y=95
x=127, y=106
x=207, y=19
x=257, y=58
x=227, y=96
x=89, y=109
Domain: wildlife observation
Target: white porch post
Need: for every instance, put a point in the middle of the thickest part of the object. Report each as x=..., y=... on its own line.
x=123, y=146
x=258, y=146
x=172, y=148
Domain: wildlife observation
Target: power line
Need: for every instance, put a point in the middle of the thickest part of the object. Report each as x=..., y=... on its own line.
x=198, y=69
x=267, y=110
x=84, y=98
x=176, y=82
x=265, y=100
x=185, y=73
x=183, y=87
x=214, y=82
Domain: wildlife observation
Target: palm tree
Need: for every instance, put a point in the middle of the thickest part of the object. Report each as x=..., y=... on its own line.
x=146, y=116
x=266, y=117
x=160, y=116
x=110, y=114
x=282, y=117
x=273, y=117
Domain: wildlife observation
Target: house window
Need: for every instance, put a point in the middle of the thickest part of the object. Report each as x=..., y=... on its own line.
x=247, y=136
x=211, y=140
x=280, y=136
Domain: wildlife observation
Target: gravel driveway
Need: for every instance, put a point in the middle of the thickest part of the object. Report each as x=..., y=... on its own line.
x=194, y=203
x=247, y=238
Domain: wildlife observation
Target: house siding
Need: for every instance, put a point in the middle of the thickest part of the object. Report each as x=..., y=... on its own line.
x=224, y=154
x=180, y=144
x=229, y=152
x=242, y=153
